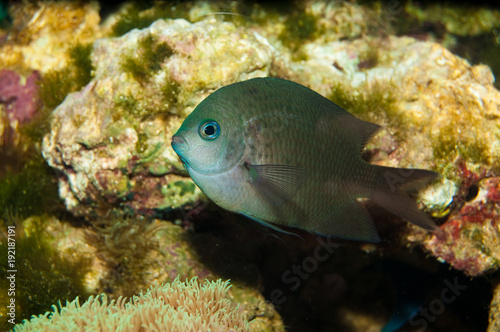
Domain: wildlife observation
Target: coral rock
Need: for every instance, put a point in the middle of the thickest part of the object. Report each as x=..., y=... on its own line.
x=20, y=100
x=470, y=238
x=112, y=139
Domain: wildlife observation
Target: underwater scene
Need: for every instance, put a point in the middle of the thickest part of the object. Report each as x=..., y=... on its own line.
x=250, y=166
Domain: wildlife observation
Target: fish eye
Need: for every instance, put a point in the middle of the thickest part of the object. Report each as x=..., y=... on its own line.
x=209, y=130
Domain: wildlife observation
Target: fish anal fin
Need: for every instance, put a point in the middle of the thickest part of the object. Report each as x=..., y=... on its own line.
x=353, y=223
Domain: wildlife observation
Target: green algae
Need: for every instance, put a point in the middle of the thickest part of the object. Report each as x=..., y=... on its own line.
x=457, y=19
x=123, y=243
x=135, y=109
x=142, y=64
x=140, y=14
x=142, y=146
x=169, y=92
x=81, y=62
x=44, y=275
x=447, y=144
x=178, y=193
x=131, y=19
x=263, y=14
x=475, y=152
x=300, y=26
x=369, y=58
x=148, y=155
x=125, y=105
x=376, y=103
x=31, y=191
x=160, y=168
x=56, y=84
x=186, y=187
x=147, y=59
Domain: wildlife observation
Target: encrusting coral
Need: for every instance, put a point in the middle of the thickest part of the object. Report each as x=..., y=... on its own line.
x=180, y=306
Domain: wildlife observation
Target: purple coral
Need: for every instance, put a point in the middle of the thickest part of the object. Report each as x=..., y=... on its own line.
x=21, y=100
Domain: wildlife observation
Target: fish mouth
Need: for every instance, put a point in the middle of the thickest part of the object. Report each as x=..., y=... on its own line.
x=177, y=141
x=180, y=146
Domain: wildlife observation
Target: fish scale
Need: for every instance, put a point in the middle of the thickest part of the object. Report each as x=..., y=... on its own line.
x=284, y=155
x=311, y=201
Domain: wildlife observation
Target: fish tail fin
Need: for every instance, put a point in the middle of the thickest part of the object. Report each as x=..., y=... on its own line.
x=391, y=193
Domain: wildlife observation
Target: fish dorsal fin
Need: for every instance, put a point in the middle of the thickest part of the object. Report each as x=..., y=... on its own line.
x=276, y=184
x=360, y=131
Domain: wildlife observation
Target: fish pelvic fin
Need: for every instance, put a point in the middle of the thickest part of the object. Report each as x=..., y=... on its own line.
x=391, y=193
x=269, y=225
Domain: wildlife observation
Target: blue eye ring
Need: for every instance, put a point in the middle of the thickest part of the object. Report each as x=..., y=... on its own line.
x=209, y=130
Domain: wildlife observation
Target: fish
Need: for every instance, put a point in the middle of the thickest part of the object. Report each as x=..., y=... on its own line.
x=283, y=155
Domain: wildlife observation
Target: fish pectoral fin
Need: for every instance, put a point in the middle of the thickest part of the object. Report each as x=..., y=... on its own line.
x=353, y=223
x=276, y=184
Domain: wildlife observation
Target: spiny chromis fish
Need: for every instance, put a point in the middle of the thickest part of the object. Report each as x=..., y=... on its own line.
x=283, y=155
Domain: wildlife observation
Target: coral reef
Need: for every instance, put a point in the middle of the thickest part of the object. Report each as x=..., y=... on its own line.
x=471, y=236
x=42, y=32
x=111, y=140
x=20, y=100
x=37, y=40
x=110, y=95
x=180, y=306
x=446, y=120
x=136, y=15
x=19, y=105
x=113, y=148
x=53, y=265
x=31, y=191
x=117, y=256
x=458, y=20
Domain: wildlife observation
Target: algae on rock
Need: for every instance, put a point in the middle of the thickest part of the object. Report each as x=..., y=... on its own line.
x=442, y=114
x=112, y=139
x=116, y=257
x=53, y=265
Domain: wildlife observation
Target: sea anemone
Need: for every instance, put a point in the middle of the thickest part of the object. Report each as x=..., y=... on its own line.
x=180, y=306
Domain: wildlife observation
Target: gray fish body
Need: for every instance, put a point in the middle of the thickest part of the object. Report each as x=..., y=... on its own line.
x=291, y=157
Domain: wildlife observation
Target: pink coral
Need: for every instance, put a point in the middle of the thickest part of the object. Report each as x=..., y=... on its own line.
x=21, y=100
x=469, y=240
